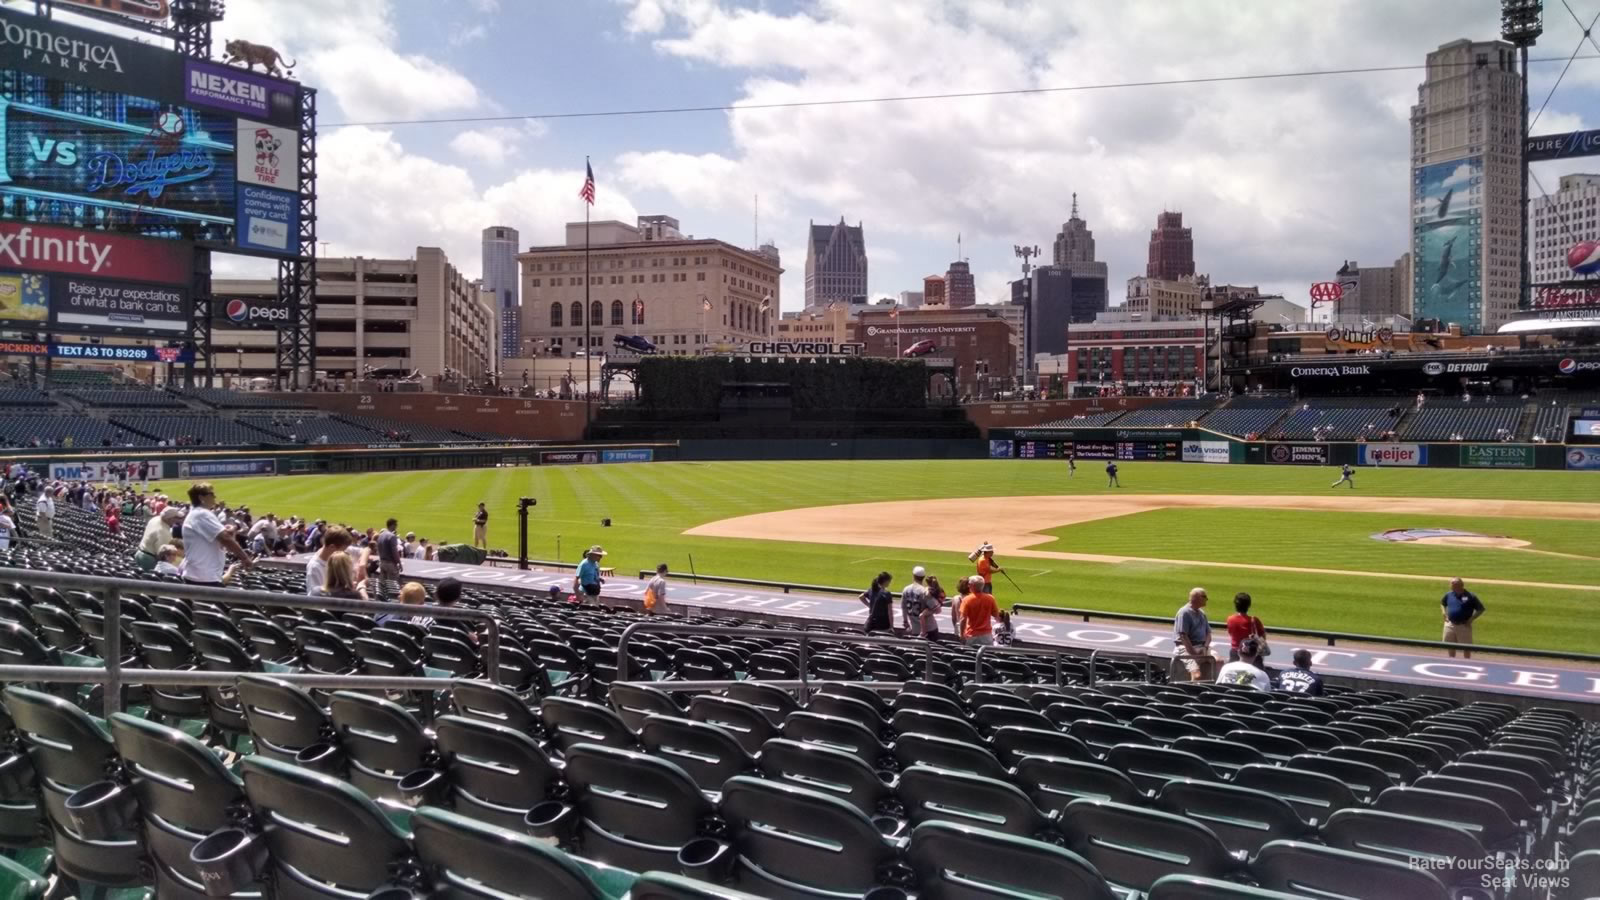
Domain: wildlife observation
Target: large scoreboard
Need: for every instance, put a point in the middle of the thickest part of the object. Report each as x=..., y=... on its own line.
x=1171, y=451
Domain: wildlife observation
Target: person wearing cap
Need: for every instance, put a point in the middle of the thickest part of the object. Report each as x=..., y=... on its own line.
x=987, y=567
x=157, y=533
x=1246, y=671
x=655, y=593
x=44, y=514
x=913, y=600
x=588, y=581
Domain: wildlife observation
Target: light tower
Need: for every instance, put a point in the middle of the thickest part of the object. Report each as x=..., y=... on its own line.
x=1025, y=254
x=1521, y=23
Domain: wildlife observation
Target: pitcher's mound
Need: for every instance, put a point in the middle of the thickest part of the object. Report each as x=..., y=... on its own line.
x=1449, y=537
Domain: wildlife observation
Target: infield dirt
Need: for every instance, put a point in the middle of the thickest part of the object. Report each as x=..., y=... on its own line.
x=1014, y=524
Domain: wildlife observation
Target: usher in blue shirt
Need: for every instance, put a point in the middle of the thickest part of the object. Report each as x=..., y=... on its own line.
x=588, y=572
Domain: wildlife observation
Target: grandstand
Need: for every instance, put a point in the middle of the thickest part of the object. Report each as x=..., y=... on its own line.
x=902, y=766
x=1457, y=420
x=1246, y=415
x=1340, y=419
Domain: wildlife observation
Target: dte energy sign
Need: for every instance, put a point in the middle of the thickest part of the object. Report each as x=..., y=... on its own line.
x=65, y=279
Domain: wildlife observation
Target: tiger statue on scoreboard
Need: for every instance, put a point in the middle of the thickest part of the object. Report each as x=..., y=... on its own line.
x=250, y=54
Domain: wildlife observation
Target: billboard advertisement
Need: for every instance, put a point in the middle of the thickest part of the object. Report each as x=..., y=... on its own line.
x=240, y=92
x=1587, y=458
x=568, y=457
x=627, y=456
x=1496, y=456
x=1205, y=451
x=98, y=471
x=999, y=449
x=1392, y=454
x=249, y=312
x=219, y=468
x=121, y=353
x=1541, y=147
x=1586, y=427
x=1446, y=240
x=67, y=279
x=1298, y=454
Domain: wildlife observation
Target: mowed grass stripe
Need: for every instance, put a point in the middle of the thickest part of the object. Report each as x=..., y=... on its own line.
x=652, y=504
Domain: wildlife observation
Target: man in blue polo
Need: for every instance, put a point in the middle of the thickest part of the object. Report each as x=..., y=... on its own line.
x=1461, y=608
x=588, y=581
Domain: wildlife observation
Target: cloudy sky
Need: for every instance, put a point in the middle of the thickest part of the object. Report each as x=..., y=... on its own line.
x=1281, y=179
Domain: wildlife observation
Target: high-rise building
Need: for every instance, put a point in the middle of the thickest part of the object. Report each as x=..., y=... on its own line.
x=1171, y=249
x=500, y=279
x=385, y=315
x=1165, y=297
x=1569, y=216
x=1466, y=154
x=911, y=299
x=1055, y=297
x=686, y=296
x=1374, y=291
x=836, y=263
x=1074, y=248
x=960, y=290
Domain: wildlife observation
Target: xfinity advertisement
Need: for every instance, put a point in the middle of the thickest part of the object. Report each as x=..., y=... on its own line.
x=68, y=279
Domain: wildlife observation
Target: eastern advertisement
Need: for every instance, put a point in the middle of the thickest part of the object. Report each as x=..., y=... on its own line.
x=1392, y=454
x=1205, y=451
x=1496, y=456
x=1446, y=239
x=1587, y=458
x=219, y=468
x=1298, y=454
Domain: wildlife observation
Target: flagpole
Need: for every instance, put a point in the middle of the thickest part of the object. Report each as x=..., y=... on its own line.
x=588, y=349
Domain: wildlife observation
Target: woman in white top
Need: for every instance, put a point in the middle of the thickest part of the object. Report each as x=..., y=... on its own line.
x=206, y=540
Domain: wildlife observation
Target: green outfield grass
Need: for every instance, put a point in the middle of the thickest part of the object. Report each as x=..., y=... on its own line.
x=650, y=506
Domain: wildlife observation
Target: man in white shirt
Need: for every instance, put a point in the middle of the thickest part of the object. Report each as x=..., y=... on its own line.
x=157, y=534
x=335, y=540
x=6, y=528
x=1247, y=669
x=206, y=541
x=44, y=514
x=913, y=600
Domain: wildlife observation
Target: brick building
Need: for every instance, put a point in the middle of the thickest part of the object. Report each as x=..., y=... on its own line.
x=977, y=339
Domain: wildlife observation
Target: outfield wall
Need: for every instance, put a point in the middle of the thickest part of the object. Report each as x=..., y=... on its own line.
x=1197, y=445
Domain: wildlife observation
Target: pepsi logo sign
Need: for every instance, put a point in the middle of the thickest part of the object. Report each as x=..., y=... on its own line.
x=239, y=311
x=1584, y=258
x=1570, y=366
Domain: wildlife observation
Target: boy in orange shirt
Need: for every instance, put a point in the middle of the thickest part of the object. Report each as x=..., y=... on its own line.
x=978, y=614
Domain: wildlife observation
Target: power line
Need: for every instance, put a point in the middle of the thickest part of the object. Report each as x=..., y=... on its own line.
x=916, y=98
x=1567, y=67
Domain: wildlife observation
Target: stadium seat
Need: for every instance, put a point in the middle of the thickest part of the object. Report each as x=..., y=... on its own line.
x=951, y=861
x=1454, y=853
x=1193, y=887
x=925, y=749
x=628, y=809
x=494, y=773
x=1053, y=782
x=470, y=859
x=794, y=842
x=317, y=820
x=1012, y=742
x=1314, y=795
x=708, y=753
x=1303, y=869
x=283, y=718
x=1133, y=847
x=931, y=794
x=570, y=721
x=634, y=702
x=70, y=751
x=1485, y=819
x=496, y=704
x=774, y=702
x=847, y=707
x=381, y=740
x=1150, y=767
x=1243, y=818
x=842, y=734
x=836, y=773
x=184, y=793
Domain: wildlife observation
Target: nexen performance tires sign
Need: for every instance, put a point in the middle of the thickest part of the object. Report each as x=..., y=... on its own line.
x=1205, y=451
x=1392, y=454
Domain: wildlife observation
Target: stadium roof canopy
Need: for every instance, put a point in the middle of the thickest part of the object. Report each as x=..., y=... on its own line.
x=1537, y=326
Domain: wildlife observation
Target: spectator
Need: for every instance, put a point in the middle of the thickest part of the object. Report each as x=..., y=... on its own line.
x=335, y=540
x=931, y=607
x=44, y=514
x=1242, y=625
x=205, y=539
x=389, y=567
x=412, y=594
x=913, y=602
x=7, y=526
x=164, y=561
x=1247, y=669
x=1192, y=633
x=877, y=600
x=1300, y=679
x=655, y=592
x=113, y=520
x=157, y=534
x=448, y=594
x=480, y=528
x=1461, y=608
x=341, y=578
x=963, y=588
x=986, y=568
x=978, y=615
x=588, y=581
x=411, y=549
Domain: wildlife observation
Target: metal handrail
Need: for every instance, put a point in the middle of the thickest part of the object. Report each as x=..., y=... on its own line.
x=1329, y=636
x=624, y=663
x=112, y=589
x=785, y=586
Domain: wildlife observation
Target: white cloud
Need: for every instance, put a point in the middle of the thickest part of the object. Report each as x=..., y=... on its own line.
x=462, y=35
x=1462, y=175
x=488, y=145
x=1281, y=179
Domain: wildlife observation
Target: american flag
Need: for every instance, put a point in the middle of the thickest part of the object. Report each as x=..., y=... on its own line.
x=894, y=313
x=766, y=303
x=705, y=304
x=587, y=192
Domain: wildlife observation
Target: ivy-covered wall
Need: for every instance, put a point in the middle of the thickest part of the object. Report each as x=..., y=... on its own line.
x=695, y=383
